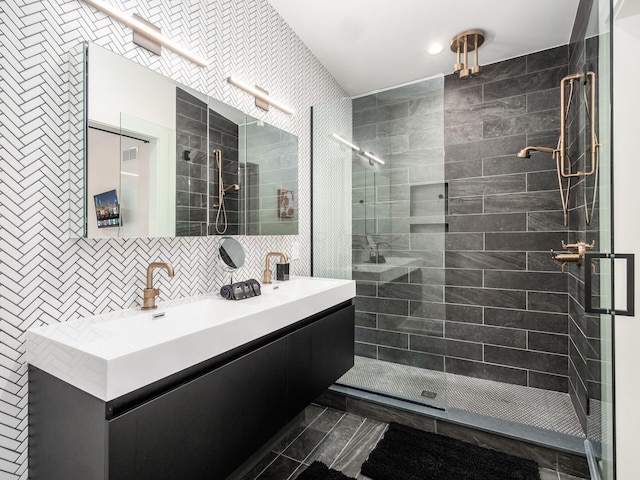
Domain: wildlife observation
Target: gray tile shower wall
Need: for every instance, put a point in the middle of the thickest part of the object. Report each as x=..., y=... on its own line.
x=577, y=317
x=584, y=329
x=513, y=204
x=467, y=285
x=191, y=175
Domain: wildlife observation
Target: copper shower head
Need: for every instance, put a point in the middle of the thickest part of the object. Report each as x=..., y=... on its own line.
x=526, y=152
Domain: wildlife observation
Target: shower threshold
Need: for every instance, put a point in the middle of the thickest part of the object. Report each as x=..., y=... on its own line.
x=534, y=407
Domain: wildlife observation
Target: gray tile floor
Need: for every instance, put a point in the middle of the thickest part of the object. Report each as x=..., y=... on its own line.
x=341, y=440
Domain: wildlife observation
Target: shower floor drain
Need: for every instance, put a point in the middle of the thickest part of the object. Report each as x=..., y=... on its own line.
x=428, y=394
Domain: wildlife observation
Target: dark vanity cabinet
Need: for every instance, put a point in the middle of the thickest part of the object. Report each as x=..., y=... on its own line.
x=317, y=355
x=202, y=423
x=205, y=426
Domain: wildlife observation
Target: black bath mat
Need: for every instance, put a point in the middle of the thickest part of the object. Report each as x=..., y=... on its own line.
x=409, y=454
x=319, y=471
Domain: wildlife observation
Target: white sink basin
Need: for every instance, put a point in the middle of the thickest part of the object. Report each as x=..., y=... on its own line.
x=116, y=353
x=164, y=323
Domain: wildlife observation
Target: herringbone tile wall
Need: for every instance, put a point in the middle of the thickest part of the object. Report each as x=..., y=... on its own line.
x=332, y=190
x=46, y=278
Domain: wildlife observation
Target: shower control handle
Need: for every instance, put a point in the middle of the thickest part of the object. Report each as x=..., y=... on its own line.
x=579, y=250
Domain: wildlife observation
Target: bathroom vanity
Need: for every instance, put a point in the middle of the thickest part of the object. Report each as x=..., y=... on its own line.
x=188, y=391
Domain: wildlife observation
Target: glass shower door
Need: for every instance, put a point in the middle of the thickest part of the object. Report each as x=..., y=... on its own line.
x=394, y=159
x=398, y=244
x=597, y=224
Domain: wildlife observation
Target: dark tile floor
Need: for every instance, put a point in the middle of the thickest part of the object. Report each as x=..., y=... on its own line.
x=341, y=440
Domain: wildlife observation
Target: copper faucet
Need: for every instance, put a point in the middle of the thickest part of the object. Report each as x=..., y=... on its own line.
x=267, y=272
x=151, y=293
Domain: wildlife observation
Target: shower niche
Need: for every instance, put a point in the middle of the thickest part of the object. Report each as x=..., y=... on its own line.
x=428, y=204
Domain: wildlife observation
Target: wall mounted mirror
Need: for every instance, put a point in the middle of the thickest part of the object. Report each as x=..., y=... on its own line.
x=231, y=254
x=164, y=160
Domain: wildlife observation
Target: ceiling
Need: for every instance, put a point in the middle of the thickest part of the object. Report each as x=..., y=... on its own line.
x=370, y=45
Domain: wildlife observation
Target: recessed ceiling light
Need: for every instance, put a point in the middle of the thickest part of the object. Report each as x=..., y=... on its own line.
x=435, y=48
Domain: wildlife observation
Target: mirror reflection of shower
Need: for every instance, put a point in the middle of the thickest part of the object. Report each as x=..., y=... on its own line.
x=222, y=222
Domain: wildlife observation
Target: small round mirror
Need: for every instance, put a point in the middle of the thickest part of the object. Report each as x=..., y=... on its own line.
x=231, y=253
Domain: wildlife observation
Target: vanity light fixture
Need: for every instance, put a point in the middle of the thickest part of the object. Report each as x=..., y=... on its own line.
x=260, y=95
x=144, y=29
x=346, y=142
x=361, y=153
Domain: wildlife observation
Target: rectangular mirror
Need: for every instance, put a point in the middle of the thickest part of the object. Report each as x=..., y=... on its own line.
x=164, y=160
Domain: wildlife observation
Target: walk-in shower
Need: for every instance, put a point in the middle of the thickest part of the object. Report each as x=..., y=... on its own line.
x=469, y=311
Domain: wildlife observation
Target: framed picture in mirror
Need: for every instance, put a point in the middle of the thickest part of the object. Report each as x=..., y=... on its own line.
x=285, y=203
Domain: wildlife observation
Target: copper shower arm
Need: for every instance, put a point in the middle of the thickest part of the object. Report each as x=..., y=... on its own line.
x=563, y=133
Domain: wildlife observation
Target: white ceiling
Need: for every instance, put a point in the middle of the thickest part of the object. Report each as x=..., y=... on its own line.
x=369, y=45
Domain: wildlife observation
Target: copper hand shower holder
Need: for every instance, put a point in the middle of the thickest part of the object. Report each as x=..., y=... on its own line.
x=564, y=112
x=560, y=154
x=563, y=160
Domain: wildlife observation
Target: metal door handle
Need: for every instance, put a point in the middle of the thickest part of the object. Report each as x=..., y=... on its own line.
x=630, y=286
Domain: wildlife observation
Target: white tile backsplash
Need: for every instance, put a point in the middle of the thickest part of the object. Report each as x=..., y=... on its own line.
x=45, y=278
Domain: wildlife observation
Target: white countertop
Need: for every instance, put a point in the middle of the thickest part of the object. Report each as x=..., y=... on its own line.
x=116, y=353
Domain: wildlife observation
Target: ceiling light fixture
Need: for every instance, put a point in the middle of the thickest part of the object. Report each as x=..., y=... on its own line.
x=145, y=30
x=462, y=44
x=260, y=94
x=435, y=48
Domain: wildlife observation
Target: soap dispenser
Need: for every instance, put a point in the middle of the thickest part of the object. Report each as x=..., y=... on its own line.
x=282, y=271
